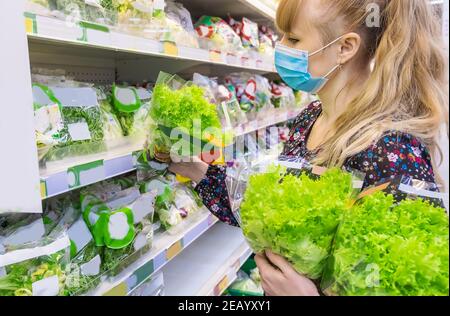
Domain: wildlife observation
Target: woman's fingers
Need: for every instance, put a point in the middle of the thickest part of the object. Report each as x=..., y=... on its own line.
x=280, y=262
x=266, y=270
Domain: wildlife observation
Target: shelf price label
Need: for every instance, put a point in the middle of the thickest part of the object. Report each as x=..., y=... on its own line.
x=43, y=188
x=169, y=48
x=30, y=23
x=221, y=286
x=215, y=56
x=85, y=174
x=120, y=290
x=174, y=250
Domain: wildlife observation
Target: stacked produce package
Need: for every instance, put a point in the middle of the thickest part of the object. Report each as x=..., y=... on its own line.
x=391, y=239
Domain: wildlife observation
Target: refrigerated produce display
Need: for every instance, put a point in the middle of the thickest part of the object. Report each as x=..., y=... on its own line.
x=117, y=90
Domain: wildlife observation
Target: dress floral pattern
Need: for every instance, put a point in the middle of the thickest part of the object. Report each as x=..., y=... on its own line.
x=395, y=154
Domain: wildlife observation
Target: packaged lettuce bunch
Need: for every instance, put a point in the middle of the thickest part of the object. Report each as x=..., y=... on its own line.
x=36, y=268
x=174, y=24
x=388, y=249
x=48, y=120
x=294, y=215
x=112, y=128
x=40, y=7
x=219, y=34
x=166, y=211
x=183, y=117
x=135, y=16
x=131, y=106
x=69, y=119
x=121, y=223
x=85, y=272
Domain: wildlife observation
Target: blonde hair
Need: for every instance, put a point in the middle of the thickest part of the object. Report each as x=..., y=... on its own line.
x=407, y=88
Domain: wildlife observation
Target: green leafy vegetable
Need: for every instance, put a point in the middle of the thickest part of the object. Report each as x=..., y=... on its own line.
x=68, y=147
x=180, y=109
x=21, y=276
x=295, y=217
x=78, y=283
x=386, y=249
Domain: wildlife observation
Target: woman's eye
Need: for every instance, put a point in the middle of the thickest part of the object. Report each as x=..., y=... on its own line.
x=293, y=40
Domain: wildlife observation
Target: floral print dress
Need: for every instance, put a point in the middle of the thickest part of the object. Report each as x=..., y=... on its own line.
x=393, y=155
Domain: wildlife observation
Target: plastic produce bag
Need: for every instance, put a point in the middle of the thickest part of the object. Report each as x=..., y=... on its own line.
x=175, y=25
x=131, y=106
x=166, y=211
x=245, y=286
x=228, y=107
x=112, y=129
x=282, y=96
x=71, y=119
x=219, y=34
x=184, y=122
x=36, y=268
x=247, y=30
x=85, y=271
x=122, y=224
x=17, y=229
x=384, y=248
x=135, y=16
x=252, y=91
x=287, y=210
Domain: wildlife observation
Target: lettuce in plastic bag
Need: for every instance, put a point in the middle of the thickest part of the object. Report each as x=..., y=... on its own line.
x=295, y=217
x=386, y=249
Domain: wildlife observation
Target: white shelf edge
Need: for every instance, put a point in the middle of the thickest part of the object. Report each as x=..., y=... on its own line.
x=134, y=41
x=223, y=280
x=204, y=220
x=261, y=8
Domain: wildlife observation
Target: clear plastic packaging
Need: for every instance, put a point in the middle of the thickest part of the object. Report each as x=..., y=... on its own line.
x=386, y=247
x=184, y=122
x=17, y=228
x=135, y=16
x=36, y=268
x=253, y=93
x=228, y=107
x=68, y=122
x=283, y=208
x=219, y=35
x=122, y=224
x=283, y=97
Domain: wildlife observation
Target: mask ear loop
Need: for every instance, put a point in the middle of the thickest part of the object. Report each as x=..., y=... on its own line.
x=338, y=66
x=326, y=46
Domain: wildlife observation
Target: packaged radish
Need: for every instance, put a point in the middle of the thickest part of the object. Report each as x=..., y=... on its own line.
x=219, y=34
x=247, y=30
x=282, y=95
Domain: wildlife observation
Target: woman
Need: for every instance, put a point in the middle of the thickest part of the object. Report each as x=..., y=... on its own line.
x=383, y=120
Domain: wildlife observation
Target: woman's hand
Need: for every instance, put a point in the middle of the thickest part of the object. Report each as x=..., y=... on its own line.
x=280, y=279
x=194, y=170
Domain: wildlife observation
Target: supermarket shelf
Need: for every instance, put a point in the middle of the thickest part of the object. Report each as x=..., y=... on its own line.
x=269, y=121
x=209, y=265
x=72, y=173
x=261, y=7
x=52, y=36
x=166, y=246
x=256, y=10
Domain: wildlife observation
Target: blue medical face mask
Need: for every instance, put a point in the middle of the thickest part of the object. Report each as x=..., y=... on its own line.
x=293, y=67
